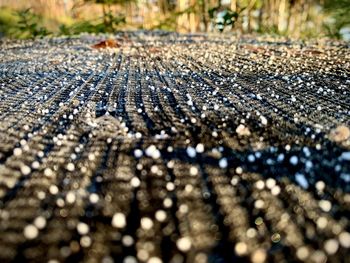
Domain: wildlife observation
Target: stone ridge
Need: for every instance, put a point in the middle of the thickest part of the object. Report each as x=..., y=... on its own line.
x=159, y=147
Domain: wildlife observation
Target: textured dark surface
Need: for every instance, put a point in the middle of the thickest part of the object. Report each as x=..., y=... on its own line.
x=181, y=148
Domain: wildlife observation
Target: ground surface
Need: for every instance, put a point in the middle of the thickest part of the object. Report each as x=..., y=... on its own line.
x=174, y=148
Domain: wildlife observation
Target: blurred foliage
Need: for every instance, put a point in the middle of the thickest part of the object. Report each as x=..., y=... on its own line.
x=291, y=18
x=94, y=26
x=340, y=12
x=7, y=21
x=170, y=21
x=28, y=25
x=223, y=17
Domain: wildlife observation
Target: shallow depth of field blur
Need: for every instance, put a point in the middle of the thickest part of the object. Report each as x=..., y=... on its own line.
x=291, y=18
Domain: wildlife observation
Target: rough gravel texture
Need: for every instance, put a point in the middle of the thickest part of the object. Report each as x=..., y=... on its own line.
x=174, y=148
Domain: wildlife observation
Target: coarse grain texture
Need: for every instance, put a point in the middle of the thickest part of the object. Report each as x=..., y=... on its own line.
x=174, y=148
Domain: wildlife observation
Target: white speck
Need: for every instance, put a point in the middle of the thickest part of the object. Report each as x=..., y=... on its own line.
x=153, y=152
x=320, y=185
x=127, y=240
x=322, y=222
x=280, y=157
x=309, y=164
x=251, y=232
x=301, y=180
x=234, y=180
x=263, y=120
x=345, y=156
x=251, y=158
x=191, y=152
x=170, y=186
x=193, y=170
x=146, y=223
x=302, y=253
x=48, y=172
x=135, y=182
x=344, y=239
x=241, y=248
x=258, y=256
x=242, y=130
x=260, y=184
x=94, y=198
x=30, y=232
x=154, y=260
x=119, y=220
x=70, y=167
x=85, y=241
x=91, y=157
x=259, y=204
x=200, y=148
x=25, y=170
x=275, y=190
x=138, y=153
x=223, y=163
x=325, y=205
x=53, y=189
x=167, y=202
x=270, y=183
x=184, y=244
x=294, y=160
x=130, y=259
x=161, y=215
x=70, y=198
x=83, y=228
x=40, y=222
x=345, y=177
x=239, y=170
x=17, y=151
x=331, y=246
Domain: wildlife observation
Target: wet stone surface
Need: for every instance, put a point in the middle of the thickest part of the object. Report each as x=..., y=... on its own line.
x=174, y=148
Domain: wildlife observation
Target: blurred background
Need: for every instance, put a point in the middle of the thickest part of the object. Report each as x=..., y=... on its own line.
x=291, y=18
